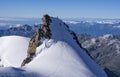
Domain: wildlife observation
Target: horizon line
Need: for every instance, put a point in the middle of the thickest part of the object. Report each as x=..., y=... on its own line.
x=64, y=17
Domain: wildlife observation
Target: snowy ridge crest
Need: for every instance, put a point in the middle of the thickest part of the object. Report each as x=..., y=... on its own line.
x=53, y=52
x=59, y=52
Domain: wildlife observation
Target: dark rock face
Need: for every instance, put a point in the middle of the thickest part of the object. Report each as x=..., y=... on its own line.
x=45, y=26
x=33, y=44
x=46, y=20
x=43, y=32
x=110, y=73
x=105, y=50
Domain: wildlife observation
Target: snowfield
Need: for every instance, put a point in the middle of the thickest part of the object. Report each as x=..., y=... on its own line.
x=59, y=56
x=13, y=50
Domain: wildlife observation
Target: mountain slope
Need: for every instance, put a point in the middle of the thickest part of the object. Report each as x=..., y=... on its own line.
x=59, y=56
x=62, y=57
x=105, y=50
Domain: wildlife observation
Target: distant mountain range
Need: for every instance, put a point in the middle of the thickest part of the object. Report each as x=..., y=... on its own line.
x=21, y=30
x=89, y=26
x=95, y=28
x=105, y=50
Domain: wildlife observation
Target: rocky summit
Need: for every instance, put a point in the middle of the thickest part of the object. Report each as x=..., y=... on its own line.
x=43, y=32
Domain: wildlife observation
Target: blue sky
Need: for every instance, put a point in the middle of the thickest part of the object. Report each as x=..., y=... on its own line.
x=60, y=8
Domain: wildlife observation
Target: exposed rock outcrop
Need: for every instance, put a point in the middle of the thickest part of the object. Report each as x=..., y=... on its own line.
x=43, y=32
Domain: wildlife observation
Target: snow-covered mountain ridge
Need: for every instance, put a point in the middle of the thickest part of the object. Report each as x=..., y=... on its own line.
x=79, y=26
x=60, y=56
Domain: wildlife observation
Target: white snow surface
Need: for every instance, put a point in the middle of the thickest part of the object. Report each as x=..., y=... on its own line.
x=13, y=50
x=62, y=57
x=59, y=56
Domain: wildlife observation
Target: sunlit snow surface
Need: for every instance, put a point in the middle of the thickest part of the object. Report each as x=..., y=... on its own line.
x=13, y=50
x=59, y=56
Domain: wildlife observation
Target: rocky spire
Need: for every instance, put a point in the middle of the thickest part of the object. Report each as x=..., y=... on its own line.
x=43, y=32
x=45, y=26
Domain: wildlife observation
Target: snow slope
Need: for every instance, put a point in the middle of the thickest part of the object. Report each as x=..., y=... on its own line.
x=13, y=50
x=62, y=57
x=59, y=56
